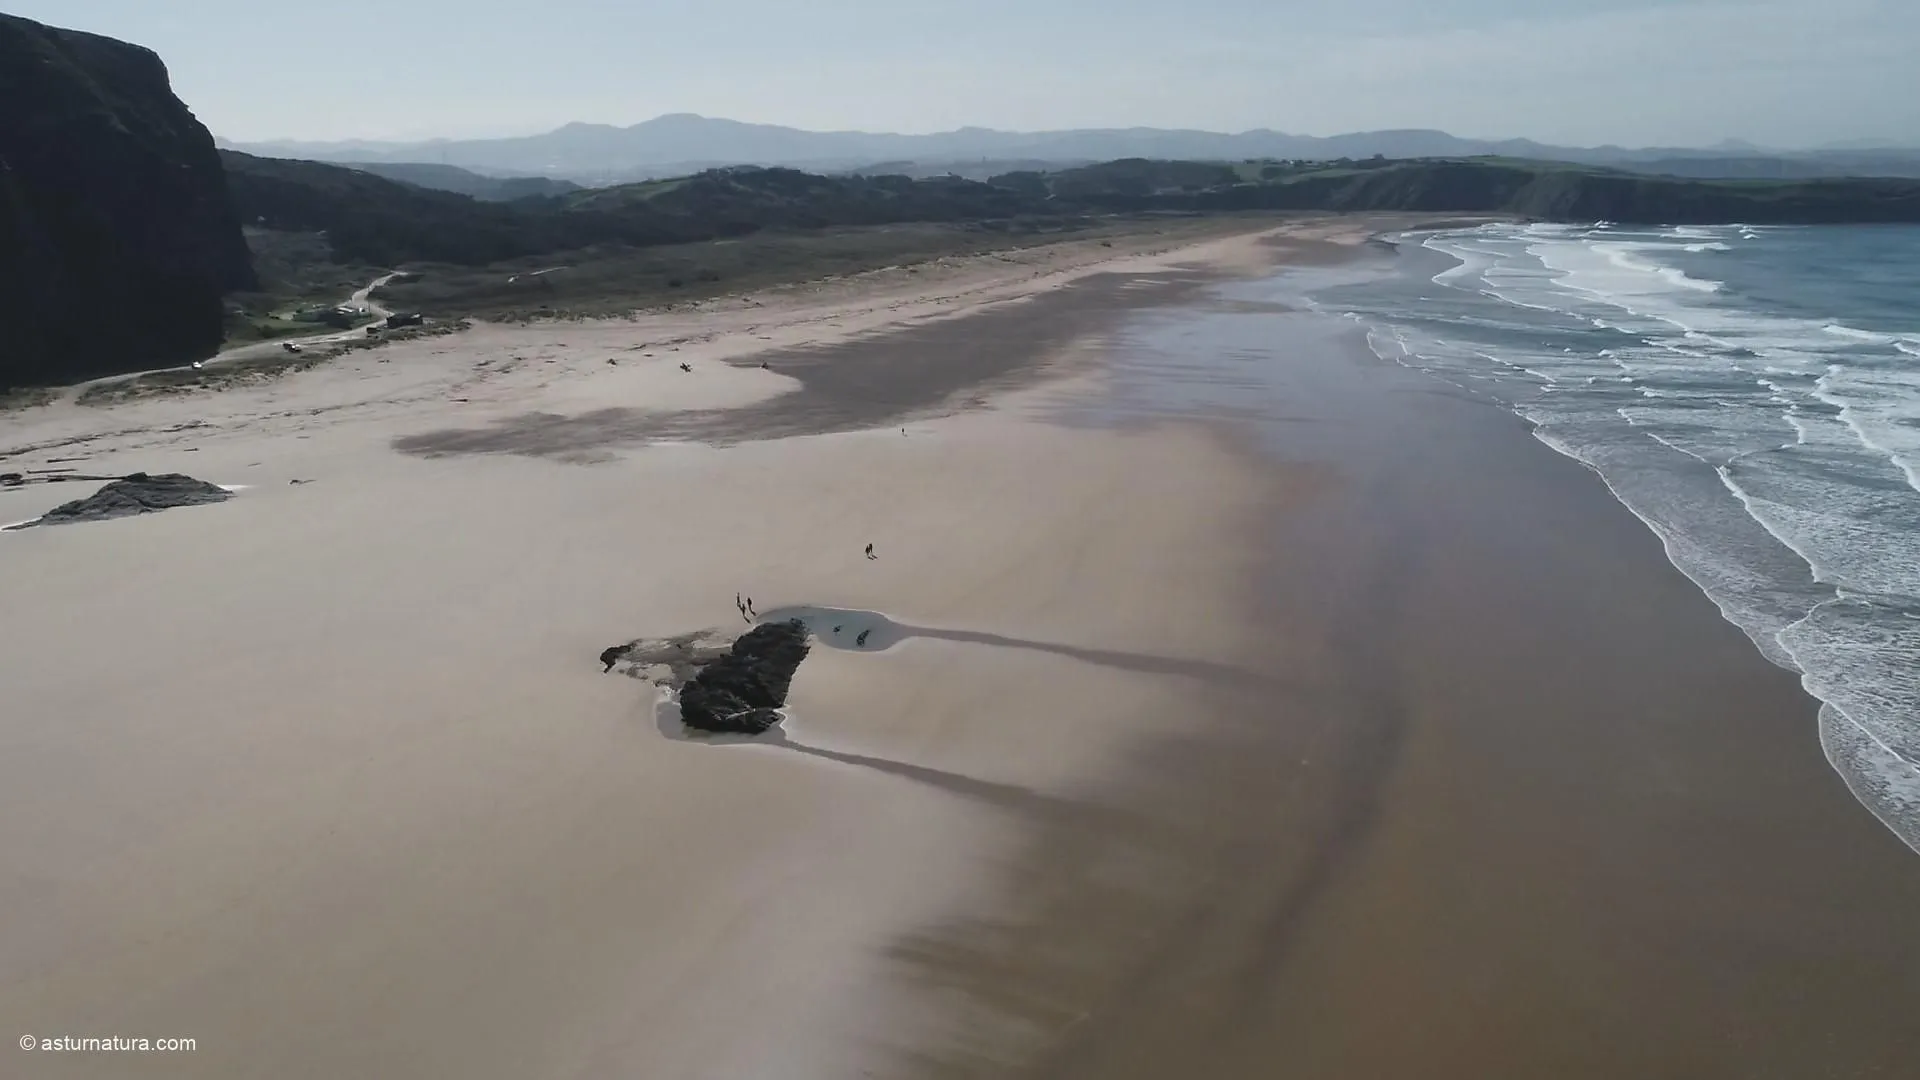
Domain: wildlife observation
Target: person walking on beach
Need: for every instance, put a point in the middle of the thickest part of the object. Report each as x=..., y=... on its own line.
x=870, y=553
x=750, y=610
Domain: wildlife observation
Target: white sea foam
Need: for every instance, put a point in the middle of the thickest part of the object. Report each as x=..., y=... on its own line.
x=1841, y=330
x=1610, y=269
x=1805, y=432
x=1888, y=428
x=1473, y=260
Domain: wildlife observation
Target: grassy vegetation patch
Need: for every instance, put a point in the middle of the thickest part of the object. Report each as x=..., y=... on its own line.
x=616, y=280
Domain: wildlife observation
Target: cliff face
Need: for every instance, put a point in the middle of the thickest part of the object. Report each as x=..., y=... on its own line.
x=117, y=237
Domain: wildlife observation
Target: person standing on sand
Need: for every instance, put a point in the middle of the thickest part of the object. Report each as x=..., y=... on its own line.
x=870, y=553
x=750, y=610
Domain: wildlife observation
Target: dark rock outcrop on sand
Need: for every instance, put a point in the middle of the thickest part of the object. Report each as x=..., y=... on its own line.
x=742, y=691
x=735, y=688
x=117, y=235
x=135, y=494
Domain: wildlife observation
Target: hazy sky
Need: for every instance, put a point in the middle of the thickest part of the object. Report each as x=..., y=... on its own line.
x=1782, y=72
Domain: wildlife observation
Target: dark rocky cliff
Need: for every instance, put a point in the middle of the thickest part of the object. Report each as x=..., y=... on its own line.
x=117, y=237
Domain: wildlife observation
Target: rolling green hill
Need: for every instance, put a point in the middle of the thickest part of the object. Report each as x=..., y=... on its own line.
x=372, y=220
x=745, y=199
x=369, y=219
x=453, y=178
x=1541, y=190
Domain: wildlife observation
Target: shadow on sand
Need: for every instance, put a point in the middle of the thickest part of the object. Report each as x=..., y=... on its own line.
x=843, y=628
x=1009, y=797
x=855, y=630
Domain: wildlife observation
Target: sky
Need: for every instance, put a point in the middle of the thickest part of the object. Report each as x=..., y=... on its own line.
x=1787, y=73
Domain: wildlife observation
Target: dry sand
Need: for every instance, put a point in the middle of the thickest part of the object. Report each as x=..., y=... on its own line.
x=327, y=777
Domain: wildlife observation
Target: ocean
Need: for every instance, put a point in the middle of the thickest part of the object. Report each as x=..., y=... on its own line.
x=1752, y=394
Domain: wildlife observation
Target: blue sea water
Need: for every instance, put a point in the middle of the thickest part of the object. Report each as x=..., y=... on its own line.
x=1752, y=394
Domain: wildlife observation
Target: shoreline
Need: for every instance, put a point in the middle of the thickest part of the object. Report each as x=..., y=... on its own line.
x=1545, y=807
x=1773, y=579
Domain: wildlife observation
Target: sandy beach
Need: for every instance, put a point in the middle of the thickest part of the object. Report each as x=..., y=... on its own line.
x=1322, y=724
x=327, y=778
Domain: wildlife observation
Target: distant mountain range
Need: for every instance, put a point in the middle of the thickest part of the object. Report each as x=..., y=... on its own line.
x=681, y=143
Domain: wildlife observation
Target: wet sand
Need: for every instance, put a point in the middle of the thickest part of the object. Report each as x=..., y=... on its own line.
x=1518, y=803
